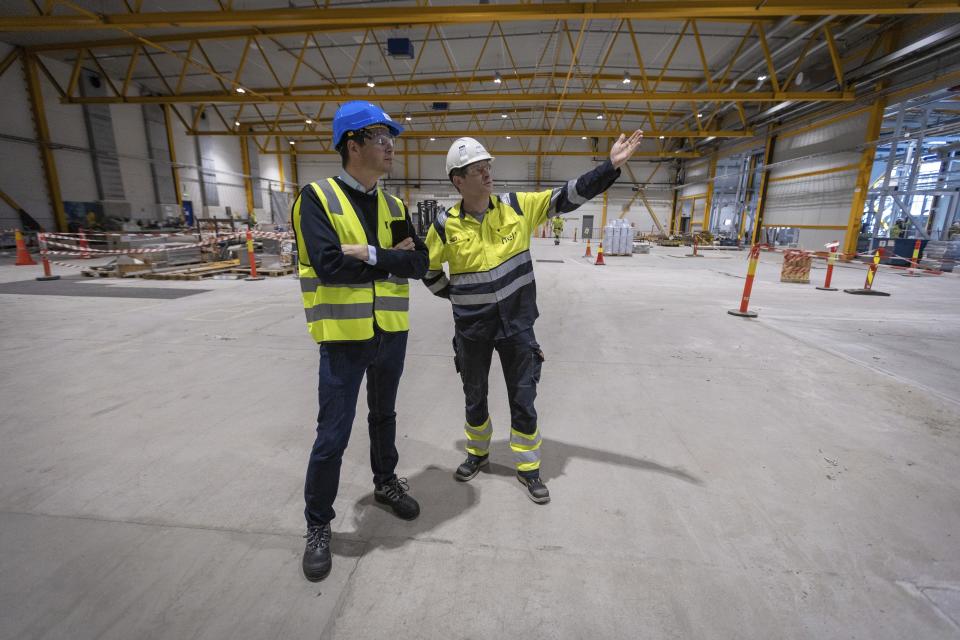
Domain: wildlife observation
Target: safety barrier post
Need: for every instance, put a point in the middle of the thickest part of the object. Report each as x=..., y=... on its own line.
x=23, y=256
x=831, y=260
x=253, y=260
x=868, y=289
x=912, y=271
x=574, y=234
x=84, y=247
x=694, y=254
x=47, y=274
x=744, y=311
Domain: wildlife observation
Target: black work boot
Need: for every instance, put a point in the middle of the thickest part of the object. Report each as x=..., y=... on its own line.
x=394, y=493
x=536, y=490
x=316, y=556
x=471, y=467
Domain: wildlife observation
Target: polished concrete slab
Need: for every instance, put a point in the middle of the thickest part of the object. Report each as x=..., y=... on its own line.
x=791, y=476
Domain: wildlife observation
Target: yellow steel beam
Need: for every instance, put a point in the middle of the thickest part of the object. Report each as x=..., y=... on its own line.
x=863, y=177
x=834, y=56
x=489, y=111
x=280, y=165
x=8, y=60
x=819, y=172
x=539, y=97
x=230, y=34
x=473, y=79
x=247, y=180
x=43, y=135
x=764, y=184
x=460, y=133
x=294, y=171
x=708, y=205
x=172, y=150
x=525, y=154
x=751, y=174
x=407, y=15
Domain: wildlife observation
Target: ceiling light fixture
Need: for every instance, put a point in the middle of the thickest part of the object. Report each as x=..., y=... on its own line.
x=241, y=90
x=236, y=123
x=508, y=137
x=626, y=78
x=432, y=139
x=761, y=78
x=308, y=121
x=497, y=78
x=662, y=137
x=370, y=82
x=293, y=142
x=408, y=117
x=583, y=137
x=503, y=115
x=599, y=116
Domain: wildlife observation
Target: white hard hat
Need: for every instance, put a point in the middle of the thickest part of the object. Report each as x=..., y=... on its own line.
x=465, y=151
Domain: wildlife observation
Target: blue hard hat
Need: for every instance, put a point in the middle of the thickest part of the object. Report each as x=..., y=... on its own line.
x=357, y=115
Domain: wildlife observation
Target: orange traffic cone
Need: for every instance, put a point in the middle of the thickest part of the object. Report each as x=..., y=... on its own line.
x=23, y=256
x=588, y=254
x=600, y=261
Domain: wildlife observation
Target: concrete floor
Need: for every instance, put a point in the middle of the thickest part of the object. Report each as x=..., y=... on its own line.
x=793, y=476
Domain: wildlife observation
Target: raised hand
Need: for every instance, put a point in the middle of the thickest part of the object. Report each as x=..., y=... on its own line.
x=624, y=147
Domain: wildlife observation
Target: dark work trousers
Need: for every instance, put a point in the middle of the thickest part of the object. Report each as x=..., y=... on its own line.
x=342, y=366
x=521, y=360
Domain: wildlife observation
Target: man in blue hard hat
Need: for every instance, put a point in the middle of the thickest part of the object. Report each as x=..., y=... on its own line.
x=356, y=251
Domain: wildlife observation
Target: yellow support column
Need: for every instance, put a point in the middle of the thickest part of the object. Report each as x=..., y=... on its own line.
x=603, y=222
x=295, y=171
x=247, y=178
x=751, y=172
x=172, y=151
x=764, y=182
x=280, y=167
x=711, y=173
x=406, y=176
x=863, y=177
x=43, y=133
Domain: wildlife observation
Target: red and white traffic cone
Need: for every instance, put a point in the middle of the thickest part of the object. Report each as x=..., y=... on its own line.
x=744, y=310
x=588, y=254
x=600, y=261
x=23, y=256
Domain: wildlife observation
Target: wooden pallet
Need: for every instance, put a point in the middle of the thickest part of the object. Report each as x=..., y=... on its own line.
x=272, y=273
x=188, y=272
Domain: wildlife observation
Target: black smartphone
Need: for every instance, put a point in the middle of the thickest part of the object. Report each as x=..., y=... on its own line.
x=400, y=229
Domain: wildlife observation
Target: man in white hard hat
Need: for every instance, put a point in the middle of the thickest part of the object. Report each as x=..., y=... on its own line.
x=485, y=240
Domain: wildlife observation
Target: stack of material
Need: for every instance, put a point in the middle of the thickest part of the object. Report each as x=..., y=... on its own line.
x=941, y=254
x=177, y=250
x=618, y=238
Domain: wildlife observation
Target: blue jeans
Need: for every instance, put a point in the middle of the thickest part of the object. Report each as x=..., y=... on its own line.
x=342, y=366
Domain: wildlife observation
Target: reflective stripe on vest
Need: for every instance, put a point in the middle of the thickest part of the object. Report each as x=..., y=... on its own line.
x=346, y=312
x=501, y=239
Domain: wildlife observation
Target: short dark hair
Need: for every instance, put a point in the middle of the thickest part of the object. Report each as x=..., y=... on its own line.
x=357, y=136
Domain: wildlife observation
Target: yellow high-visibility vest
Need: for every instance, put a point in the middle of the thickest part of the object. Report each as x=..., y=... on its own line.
x=346, y=312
